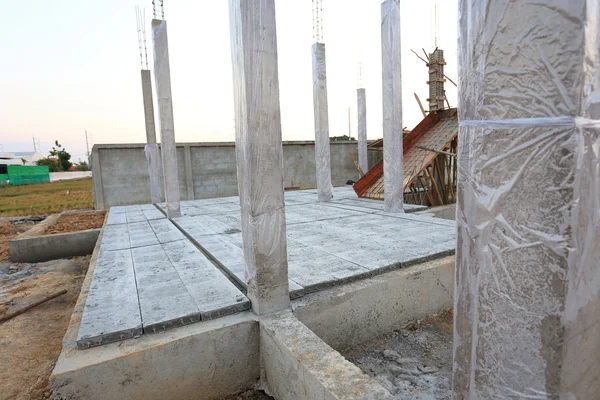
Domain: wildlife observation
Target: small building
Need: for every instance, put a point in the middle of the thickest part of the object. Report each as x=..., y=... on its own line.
x=21, y=158
x=15, y=175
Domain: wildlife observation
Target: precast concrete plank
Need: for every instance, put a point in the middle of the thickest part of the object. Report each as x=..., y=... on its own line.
x=111, y=311
x=212, y=292
x=135, y=216
x=165, y=230
x=164, y=300
x=141, y=234
x=124, y=209
x=153, y=213
x=115, y=237
x=115, y=218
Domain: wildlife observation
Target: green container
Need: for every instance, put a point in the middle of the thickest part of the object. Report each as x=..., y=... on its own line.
x=27, y=174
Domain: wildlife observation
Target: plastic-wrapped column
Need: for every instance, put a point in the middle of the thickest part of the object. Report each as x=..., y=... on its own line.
x=363, y=161
x=259, y=152
x=168, y=149
x=527, y=268
x=392, y=107
x=153, y=161
x=322, y=151
x=148, y=106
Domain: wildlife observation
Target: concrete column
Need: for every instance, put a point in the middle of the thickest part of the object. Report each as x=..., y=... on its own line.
x=97, y=188
x=154, y=166
x=189, y=179
x=527, y=284
x=168, y=150
x=322, y=151
x=392, y=107
x=148, y=106
x=259, y=152
x=363, y=160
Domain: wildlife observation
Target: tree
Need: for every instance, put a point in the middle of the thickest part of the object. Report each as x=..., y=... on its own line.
x=52, y=164
x=341, y=138
x=62, y=155
x=82, y=166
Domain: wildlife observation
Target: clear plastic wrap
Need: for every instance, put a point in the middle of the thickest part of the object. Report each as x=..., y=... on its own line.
x=528, y=263
x=322, y=151
x=154, y=166
x=162, y=76
x=259, y=152
x=361, y=101
x=392, y=107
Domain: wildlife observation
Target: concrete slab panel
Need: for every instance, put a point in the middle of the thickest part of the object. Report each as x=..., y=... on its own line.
x=165, y=231
x=112, y=311
x=164, y=299
x=115, y=237
x=213, y=293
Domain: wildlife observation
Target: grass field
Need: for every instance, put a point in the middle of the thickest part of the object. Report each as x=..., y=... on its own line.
x=46, y=198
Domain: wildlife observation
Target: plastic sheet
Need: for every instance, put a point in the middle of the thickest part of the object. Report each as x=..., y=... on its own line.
x=162, y=76
x=392, y=107
x=322, y=150
x=259, y=152
x=527, y=269
x=154, y=165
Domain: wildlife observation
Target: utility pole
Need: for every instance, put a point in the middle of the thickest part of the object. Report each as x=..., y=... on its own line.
x=34, y=148
x=349, y=135
x=87, y=146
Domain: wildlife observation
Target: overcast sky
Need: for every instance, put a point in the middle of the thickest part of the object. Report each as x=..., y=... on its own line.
x=72, y=65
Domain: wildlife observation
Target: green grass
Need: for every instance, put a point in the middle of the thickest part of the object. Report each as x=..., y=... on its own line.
x=46, y=198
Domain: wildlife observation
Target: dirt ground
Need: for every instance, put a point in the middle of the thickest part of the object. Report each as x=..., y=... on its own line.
x=76, y=222
x=251, y=395
x=9, y=230
x=32, y=341
x=412, y=363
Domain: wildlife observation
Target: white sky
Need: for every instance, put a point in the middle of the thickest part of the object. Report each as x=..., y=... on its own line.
x=72, y=65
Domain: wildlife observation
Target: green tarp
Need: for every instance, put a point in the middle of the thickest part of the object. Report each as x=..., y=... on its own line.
x=24, y=174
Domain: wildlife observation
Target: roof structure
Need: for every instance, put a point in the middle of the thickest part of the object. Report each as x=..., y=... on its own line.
x=421, y=147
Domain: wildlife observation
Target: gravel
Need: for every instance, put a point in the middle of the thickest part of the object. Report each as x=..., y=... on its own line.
x=414, y=362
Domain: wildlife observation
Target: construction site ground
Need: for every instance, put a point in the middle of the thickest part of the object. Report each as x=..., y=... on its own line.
x=414, y=362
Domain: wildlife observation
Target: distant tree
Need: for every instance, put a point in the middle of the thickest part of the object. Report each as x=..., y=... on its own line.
x=52, y=164
x=62, y=155
x=82, y=166
x=341, y=138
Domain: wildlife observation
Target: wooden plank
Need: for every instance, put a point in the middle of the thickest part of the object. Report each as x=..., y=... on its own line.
x=164, y=299
x=360, y=171
x=111, y=311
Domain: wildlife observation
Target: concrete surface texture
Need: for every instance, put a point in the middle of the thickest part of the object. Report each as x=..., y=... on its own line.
x=148, y=106
x=298, y=365
x=148, y=277
x=154, y=171
x=527, y=281
x=121, y=175
x=361, y=100
x=34, y=246
x=321, y=112
x=162, y=76
x=392, y=105
x=327, y=243
x=259, y=153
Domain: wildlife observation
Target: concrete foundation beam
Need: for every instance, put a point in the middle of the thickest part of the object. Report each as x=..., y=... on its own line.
x=352, y=314
x=392, y=106
x=259, y=152
x=322, y=150
x=162, y=75
x=297, y=364
x=527, y=275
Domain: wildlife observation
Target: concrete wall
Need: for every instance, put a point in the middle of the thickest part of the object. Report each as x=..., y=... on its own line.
x=121, y=174
x=62, y=176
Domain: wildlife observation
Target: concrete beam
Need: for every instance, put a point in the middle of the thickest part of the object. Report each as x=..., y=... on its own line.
x=148, y=106
x=297, y=364
x=363, y=160
x=392, y=106
x=527, y=276
x=322, y=151
x=162, y=75
x=259, y=152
